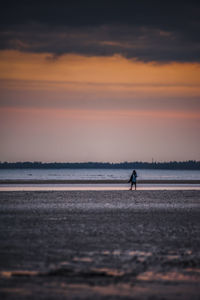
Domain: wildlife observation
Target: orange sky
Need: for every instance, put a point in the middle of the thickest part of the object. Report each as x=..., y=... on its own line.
x=76, y=108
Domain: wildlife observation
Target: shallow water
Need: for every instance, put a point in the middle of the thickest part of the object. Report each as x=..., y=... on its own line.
x=95, y=187
x=97, y=174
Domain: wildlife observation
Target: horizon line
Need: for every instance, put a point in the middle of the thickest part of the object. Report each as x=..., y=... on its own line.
x=101, y=162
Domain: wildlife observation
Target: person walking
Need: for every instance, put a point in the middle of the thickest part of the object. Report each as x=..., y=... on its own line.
x=133, y=180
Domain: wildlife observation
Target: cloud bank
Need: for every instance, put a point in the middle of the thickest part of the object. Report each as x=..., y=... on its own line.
x=139, y=30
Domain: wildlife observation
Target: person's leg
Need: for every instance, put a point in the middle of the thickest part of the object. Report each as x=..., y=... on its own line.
x=131, y=186
x=135, y=186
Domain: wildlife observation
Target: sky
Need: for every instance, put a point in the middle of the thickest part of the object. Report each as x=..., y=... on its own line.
x=99, y=81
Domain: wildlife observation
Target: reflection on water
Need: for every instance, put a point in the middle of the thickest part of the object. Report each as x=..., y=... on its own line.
x=62, y=290
x=139, y=253
x=95, y=187
x=96, y=282
x=82, y=259
x=123, y=290
x=188, y=274
x=168, y=276
x=172, y=257
x=19, y=273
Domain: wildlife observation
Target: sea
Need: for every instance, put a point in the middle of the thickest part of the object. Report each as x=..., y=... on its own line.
x=95, y=174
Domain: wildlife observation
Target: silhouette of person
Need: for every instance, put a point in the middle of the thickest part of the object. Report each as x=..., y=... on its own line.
x=133, y=179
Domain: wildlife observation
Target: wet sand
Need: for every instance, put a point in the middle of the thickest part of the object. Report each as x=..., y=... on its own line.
x=103, y=181
x=100, y=244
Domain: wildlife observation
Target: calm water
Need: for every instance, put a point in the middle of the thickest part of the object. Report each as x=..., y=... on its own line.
x=97, y=174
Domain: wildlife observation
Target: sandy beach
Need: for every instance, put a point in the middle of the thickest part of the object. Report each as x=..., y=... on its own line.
x=100, y=244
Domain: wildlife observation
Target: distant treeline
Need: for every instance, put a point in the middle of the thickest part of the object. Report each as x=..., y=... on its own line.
x=176, y=165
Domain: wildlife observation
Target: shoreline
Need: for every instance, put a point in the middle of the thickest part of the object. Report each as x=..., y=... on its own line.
x=106, y=181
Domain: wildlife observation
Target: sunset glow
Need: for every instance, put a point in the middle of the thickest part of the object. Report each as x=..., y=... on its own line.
x=79, y=98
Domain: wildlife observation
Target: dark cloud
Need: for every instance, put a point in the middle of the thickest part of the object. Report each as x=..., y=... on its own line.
x=160, y=31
